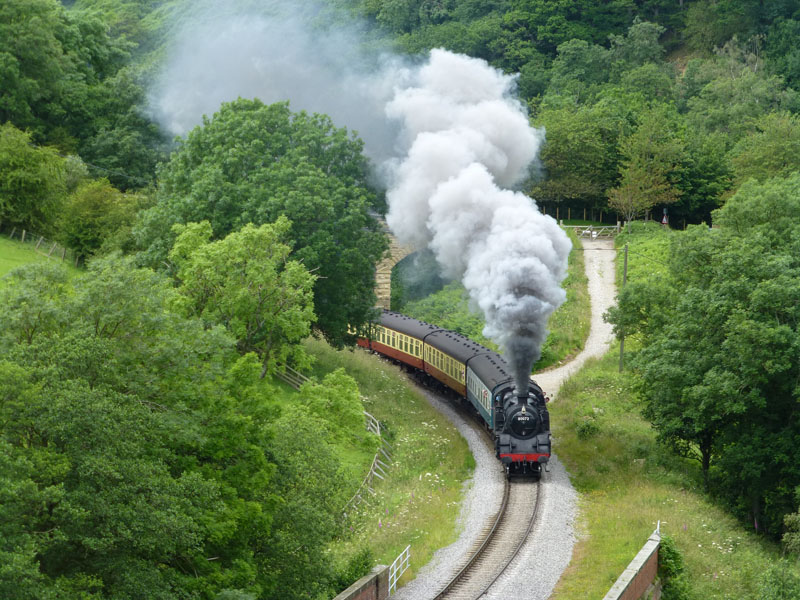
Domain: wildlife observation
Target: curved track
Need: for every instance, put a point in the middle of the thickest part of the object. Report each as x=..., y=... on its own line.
x=500, y=545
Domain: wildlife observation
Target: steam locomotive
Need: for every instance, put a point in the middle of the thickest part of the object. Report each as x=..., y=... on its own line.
x=519, y=420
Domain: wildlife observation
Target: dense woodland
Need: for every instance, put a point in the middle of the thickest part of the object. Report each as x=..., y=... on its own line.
x=143, y=454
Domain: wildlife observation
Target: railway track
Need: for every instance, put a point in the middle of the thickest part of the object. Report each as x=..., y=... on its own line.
x=499, y=544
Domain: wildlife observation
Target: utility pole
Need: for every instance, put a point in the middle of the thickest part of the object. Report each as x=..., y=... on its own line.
x=624, y=281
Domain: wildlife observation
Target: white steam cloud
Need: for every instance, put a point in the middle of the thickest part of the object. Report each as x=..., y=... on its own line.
x=462, y=139
x=469, y=139
x=280, y=53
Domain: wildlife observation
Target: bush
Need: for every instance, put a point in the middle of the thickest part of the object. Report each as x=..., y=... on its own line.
x=780, y=582
x=587, y=428
x=671, y=571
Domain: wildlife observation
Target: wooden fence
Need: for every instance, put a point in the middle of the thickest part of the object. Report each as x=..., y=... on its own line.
x=594, y=231
x=380, y=462
x=42, y=245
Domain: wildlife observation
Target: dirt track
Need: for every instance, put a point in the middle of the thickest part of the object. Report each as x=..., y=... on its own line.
x=599, y=261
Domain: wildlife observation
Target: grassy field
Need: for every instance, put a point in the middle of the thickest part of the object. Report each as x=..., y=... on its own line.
x=628, y=482
x=14, y=254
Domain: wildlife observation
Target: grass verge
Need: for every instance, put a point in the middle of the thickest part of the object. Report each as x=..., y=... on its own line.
x=419, y=502
x=628, y=482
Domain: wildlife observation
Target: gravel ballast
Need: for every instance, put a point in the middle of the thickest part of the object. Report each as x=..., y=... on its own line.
x=546, y=554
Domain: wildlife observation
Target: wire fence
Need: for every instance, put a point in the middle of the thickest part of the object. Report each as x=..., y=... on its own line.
x=380, y=462
x=41, y=244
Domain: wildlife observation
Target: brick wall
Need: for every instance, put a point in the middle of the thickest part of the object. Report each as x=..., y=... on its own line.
x=374, y=586
x=637, y=580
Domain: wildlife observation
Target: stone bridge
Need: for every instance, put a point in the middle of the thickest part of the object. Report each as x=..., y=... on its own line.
x=383, y=273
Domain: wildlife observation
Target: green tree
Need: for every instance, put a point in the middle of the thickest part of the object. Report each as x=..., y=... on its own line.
x=719, y=362
x=248, y=283
x=252, y=163
x=782, y=50
x=771, y=150
x=579, y=69
x=62, y=78
x=732, y=92
x=93, y=214
x=638, y=47
x=131, y=438
x=32, y=61
x=651, y=165
x=31, y=182
x=580, y=155
x=705, y=177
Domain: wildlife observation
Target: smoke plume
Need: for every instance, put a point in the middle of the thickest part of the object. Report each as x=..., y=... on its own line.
x=468, y=139
x=459, y=139
x=276, y=52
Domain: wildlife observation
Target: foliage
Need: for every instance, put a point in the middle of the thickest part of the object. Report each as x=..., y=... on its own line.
x=248, y=283
x=93, y=214
x=651, y=164
x=772, y=149
x=719, y=357
x=430, y=462
x=252, y=163
x=63, y=78
x=137, y=447
x=31, y=182
x=780, y=582
x=671, y=570
x=628, y=482
x=414, y=278
x=580, y=155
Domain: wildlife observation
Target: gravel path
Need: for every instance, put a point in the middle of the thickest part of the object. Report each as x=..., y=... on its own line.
x=539, y=565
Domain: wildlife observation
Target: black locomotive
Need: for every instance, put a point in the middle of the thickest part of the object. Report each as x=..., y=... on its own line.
x=519, y=419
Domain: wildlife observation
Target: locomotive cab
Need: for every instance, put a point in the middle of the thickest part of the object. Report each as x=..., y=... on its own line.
x=523, y=432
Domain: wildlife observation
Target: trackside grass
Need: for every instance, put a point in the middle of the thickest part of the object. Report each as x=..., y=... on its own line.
x=420, y=500
x=627, y=482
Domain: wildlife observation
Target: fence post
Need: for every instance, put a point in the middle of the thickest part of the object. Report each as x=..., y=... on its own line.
x=39, y=243
x=23, y=236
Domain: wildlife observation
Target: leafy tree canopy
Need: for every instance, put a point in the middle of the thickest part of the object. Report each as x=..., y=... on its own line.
x=580, y=155
x=719, y=363
x=247, y=283
x=252, y=163
x=772, y=149
x=93, y=214
x=651, y=164
x=32, y=185
x=63, y=78
x=141, y=457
